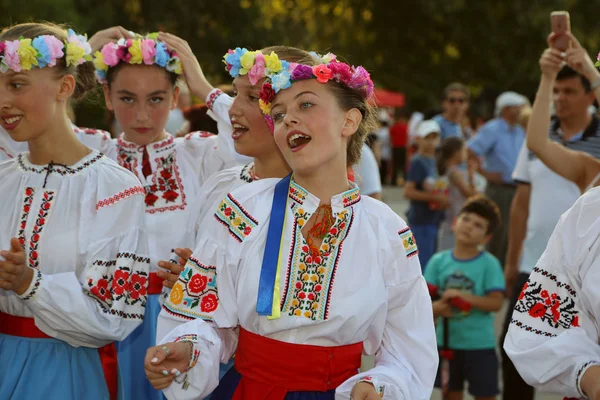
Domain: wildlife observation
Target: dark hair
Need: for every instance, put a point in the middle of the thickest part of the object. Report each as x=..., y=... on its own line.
x=456, y=87
x=567, y=73
x=83, y=73
x=446, y=151
x=287, y=53
x=485, y=208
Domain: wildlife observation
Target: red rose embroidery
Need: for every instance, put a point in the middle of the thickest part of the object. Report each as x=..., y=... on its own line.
x=318, y=260
x=247, y=230
x=151, y=199
x=298, y=285
x=302, y=295
x=311, y=296
x=46, y=206
x=305, y=249
x=209, y=303
x=26, y=209
x=170, y=195
x=138, y=286
x=29, y=192
x=34, y=255
x=227, y=211
x=162, y=188
x=121, y=282
x=575, y=321
x=166, y=174
x=101, y=290
x=198, y=283
x=538, y=310
x=333, y=231
x=318, y=288
x=523, y=291
x=544, y=293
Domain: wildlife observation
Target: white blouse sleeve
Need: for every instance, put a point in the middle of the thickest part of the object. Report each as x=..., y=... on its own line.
x=406, y=363
x=553, y=334
x=104, y=299
x=218, y=104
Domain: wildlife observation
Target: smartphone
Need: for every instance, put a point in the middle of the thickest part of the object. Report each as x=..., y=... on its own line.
x=561, y=23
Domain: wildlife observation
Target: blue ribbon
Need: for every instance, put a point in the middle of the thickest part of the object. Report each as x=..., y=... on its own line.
x=268, y=272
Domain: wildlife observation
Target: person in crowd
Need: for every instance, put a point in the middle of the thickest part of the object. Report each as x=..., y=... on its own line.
x=455, y=103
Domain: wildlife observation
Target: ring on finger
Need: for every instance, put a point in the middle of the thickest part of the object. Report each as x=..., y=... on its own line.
x=166, y=349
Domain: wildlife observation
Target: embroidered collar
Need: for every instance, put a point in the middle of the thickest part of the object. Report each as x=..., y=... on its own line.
x=26, y=165
x=247, y=174
x=129, y=147
x=309, y=202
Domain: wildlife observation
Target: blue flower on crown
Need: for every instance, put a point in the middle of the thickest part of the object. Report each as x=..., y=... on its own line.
x=162, y=55
x=281, y=81
x=233, y=59
x=44, y=57
x=101, y=75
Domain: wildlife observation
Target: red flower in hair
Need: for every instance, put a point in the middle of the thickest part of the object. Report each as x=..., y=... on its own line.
x=322, y=73
x=341, y=71
x=267, y=93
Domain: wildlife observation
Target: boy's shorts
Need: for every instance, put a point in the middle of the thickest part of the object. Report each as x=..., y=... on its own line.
x=478, y=367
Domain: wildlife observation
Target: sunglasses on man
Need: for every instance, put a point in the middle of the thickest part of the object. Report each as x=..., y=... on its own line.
x=459, y=100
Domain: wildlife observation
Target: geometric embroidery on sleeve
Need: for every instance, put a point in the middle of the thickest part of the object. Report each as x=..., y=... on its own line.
x=546, y=302
x=409, y=242
x=195, y=294
x=120, y=196
x=231, y=214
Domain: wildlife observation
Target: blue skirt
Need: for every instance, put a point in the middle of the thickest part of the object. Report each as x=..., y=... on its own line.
x=230, y=381
x=132, y=352
x=49, y=369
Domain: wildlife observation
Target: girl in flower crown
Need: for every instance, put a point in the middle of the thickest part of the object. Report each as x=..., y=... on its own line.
x=280, y=260
x=74, y=254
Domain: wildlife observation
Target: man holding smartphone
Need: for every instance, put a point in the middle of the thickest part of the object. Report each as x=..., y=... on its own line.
x=543, y=196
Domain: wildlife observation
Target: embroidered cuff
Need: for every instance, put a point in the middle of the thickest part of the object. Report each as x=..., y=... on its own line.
x=212, y=97
x=580, y=373
x=380, y=389
x=194, y=352
x=35, y=284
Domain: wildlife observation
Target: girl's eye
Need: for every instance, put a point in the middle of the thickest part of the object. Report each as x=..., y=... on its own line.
x=16, y=85
x=156, y=100
x=306, y=104
x=127, y=100
x=279, y=116
x=253, y=98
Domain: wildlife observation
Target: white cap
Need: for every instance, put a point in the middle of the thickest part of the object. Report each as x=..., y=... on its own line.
x=427, y=127
x=508, y=99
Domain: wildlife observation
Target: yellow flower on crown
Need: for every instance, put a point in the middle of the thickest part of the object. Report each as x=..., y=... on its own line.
x=273, y=63
x=265, y=107
x=178, y=68
x=27, y=54
x=136, y=52
x=74, y=54
x=99, y=61
x=247, y=62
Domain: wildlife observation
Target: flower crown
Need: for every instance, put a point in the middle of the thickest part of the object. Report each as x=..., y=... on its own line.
x=24, y=54
x=147, y=50
x=281, y=74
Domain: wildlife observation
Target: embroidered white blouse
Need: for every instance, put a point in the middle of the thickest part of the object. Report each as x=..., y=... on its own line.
x=179, y=169
x=555, y=326
x=82, y=230
x=364, y=286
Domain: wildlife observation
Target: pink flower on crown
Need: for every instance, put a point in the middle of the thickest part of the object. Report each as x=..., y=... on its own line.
x=109, y=52
x=11, y=57
x=341, y=72
x=361, y=80
x=322, y=73
x=301, y=72
x=2, y=46
x=123, y=53
x=148, y=51
x=257, y=72
x=55, y=46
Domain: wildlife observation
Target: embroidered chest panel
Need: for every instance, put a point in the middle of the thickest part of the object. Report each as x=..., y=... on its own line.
x=310, y=274
x=164, y=188
x=38, y=217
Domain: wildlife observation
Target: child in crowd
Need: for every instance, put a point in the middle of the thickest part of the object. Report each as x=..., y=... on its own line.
x=477, y=278
x=425, y=211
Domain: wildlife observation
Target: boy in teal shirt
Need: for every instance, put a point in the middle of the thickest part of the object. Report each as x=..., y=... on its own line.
x=475, y=276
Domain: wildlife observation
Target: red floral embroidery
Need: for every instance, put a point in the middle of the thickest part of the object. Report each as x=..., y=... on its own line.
x=539, y=301
x=150, y=199
x=209, y=303
x=198, y=283
x=101, y=290
x=121, y=282
x=170, y=195
x=212, y=98
x=44, y=212
x=138, y=287
x=27, y=200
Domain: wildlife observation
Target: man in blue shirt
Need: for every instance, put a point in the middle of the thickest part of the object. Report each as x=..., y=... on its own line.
x=455, y=104
x=498, y=143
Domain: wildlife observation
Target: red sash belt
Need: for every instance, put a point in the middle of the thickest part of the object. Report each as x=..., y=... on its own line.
x=25, y=327
x=155, y=284
x=270, y=368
